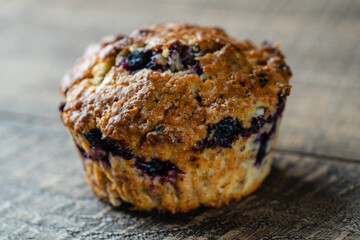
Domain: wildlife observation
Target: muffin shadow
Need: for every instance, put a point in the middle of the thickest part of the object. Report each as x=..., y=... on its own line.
x=283, y=203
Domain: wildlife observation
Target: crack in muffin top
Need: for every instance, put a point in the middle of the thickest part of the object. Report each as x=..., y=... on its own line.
x=159, y=89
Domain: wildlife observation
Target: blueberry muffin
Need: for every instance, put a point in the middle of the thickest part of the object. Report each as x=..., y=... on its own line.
x=175, y=115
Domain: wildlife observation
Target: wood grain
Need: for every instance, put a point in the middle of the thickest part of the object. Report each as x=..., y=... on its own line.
x=313, y=190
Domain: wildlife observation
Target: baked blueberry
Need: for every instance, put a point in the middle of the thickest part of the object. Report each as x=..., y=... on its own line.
x=180, y=58
x=156, y=167
x=102, y=147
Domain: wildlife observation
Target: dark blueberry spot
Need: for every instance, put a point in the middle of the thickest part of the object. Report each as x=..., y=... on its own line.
x=183, y=50
x=62, y=106
x=99, y=154
x=225, y=130
x=154, y=66
x=228, y=130
x=282, y=66
x=102, y=147
x=159, y=128
x=149, y=60
x=280, y=108
x=94, y=137
x=197, y=68
x=137, y=60
x=186, y=57
x=190, y=62
x=199, y=100
x=221, y=134
x=263, y=79
x=256, y=124
x=115, y=147
x=264, y=139
x=155, y=167
x=262, y=150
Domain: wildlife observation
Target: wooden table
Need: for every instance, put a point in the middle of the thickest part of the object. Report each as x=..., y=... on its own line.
x=313, y=191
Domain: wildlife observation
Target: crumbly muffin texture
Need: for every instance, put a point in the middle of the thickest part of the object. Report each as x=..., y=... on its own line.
x=175, y=115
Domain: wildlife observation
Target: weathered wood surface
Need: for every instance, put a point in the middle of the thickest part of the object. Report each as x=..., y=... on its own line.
x=44, y=196
x=313, y=191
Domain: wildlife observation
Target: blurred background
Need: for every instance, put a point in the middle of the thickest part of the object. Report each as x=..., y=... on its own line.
x=40, y=41
x=43, y=194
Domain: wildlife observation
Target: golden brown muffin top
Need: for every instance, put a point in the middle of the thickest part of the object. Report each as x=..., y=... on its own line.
x=160, y=89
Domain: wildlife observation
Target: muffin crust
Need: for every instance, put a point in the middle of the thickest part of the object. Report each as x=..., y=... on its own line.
x=163, y=95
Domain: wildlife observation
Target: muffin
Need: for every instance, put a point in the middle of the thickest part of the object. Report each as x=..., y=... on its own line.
x=174, y=116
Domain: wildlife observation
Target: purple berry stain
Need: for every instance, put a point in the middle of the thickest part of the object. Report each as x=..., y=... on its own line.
x=266, y=136
x=223, y=133
x=138, y=60
x=147, y=59
x=101, y=148
x=62, y=106
x=264, y=139
x=228, y=130
x=157, y=168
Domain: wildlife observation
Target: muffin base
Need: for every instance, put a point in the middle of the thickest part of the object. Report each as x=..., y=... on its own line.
x=218, y=176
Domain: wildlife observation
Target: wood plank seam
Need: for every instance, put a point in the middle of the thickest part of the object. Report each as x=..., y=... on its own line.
x=319, y=156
